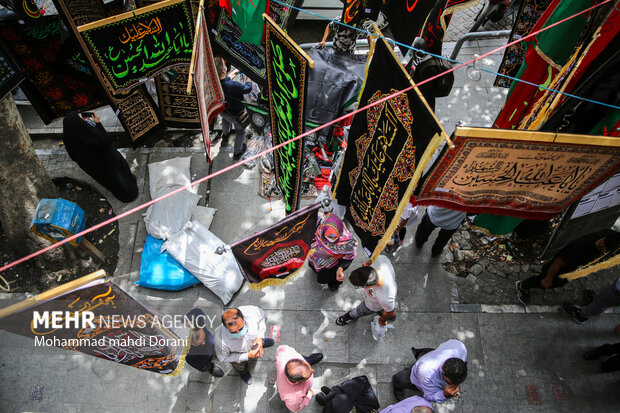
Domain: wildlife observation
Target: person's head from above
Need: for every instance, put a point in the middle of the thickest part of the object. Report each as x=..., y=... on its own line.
x=198, y=336
x=421, y=409
x=220, y=66
x=331, y=231
x=364, y=277
x=454, y=371
x=234, y=322
x=608, y=243
x=297, y=370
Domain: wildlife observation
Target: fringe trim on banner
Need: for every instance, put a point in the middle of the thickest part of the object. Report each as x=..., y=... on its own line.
x=186, y=347
x=453, y=9
x=582, y=272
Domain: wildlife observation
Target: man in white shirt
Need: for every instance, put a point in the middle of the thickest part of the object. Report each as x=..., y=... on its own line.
x=437, y=373
x=446, y=219
x=241, y=338
x=380, y=289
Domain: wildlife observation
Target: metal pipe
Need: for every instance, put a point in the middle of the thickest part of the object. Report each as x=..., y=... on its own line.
x=476, y=36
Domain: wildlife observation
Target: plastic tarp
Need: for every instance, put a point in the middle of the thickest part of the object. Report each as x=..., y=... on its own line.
x=335, y=79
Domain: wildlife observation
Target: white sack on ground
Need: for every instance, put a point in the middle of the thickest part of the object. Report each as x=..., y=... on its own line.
x=167, y=217
x=194, y=247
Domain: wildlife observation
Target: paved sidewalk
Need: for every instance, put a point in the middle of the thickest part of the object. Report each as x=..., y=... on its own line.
x=517, y=362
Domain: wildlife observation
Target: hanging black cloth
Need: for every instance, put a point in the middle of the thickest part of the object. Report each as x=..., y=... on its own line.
x=95, y=152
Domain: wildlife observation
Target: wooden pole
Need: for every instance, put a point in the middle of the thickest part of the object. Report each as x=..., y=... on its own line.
x=191, y=63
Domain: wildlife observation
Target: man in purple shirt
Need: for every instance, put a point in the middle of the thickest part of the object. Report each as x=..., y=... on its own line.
x=415, y=404
x=436, y=373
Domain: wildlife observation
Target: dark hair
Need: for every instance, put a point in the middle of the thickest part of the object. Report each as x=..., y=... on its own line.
x=220, y=65
x=239, y=314
x=612, y=241
x=455, y=369
x=359, y=277
x=297, y=365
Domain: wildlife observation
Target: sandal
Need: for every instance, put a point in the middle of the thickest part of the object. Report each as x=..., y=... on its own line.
x=345, y=319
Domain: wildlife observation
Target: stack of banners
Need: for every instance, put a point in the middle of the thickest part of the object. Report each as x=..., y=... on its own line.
x=407, y=18
x=247, y=57
x=546, y=53
x=438, y=20
x=389, y=146
x=10, y=73
x=523, y=174
x=286, y=82
x=52, y=85
x=334, y=80
x=211, y=99
x=136, y=109
x=529, y=13
x=595, y=71
x=134, y=46
x=178, y=108
x=97, y=318
x=270, y=256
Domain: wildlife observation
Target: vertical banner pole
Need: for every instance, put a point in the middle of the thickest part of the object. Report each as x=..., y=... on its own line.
x=191, y=63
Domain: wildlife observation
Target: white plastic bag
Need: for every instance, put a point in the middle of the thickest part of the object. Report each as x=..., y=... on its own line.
x=378, y=332
x=194, y=247
x=167, y=217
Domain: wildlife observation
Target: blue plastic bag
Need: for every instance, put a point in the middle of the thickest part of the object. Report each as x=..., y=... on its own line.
x=159, y=270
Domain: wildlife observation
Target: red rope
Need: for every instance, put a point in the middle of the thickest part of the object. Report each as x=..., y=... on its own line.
x=318, y=128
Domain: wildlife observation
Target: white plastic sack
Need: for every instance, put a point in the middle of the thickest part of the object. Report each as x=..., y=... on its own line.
x=203, y=215
x=194, y=247
x=378, y=332
x=167, y=217
x=169, y=174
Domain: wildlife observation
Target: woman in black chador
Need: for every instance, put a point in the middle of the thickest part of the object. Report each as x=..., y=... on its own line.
x=89, y=145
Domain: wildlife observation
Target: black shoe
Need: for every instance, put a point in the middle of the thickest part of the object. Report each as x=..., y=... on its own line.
x=268, y=342
x=320, y=399
x=418, y=244
x=522, y=295
x=435, y=252
x=238, y=155
x=574, y=312
x=325, y=389
x=216, y=371
x=398, y=393
x=589, y=295
x=344, y=319
x=595, y=353
x=314, y=358
x=334, y=287
x=380, y=313
x=216, y=136
x=246, y=377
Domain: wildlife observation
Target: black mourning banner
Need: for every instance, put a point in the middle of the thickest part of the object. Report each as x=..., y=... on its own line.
x=286, y=80
x=279, y=250
x=10, y=73
x=386, y=151
x=120, y=330
x=136, y=109
x=406, y=18
x=141, y=44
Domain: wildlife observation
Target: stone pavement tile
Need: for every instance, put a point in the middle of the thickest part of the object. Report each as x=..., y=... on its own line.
x=410, y=330
x=127, y=241
x=493, y=384
x=19, y=378
x=423, y=287
x=231, y=395
x=316, y=332
x=465, y=327
x=492, y=334
x=200, y=396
